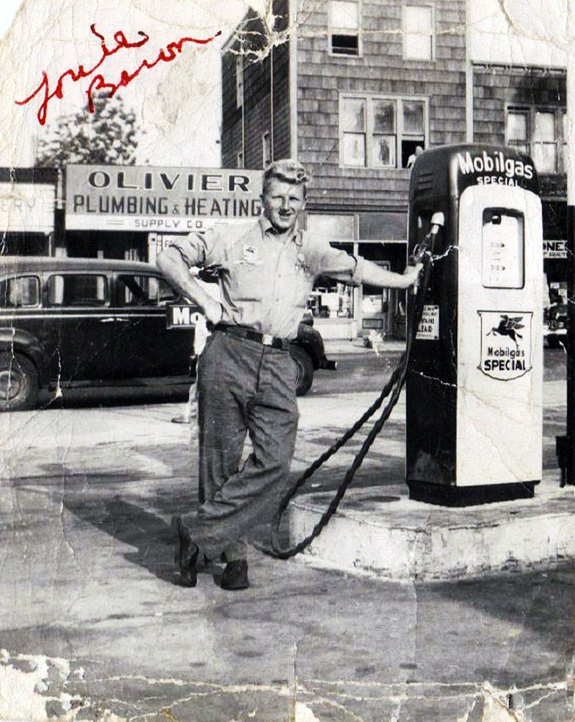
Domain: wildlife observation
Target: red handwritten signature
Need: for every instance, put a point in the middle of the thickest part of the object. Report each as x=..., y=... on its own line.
x=166, y=55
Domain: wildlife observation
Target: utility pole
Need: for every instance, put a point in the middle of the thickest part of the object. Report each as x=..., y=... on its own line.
x=569, y=449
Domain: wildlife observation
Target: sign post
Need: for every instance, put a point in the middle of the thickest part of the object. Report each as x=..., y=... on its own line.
x=566, y=447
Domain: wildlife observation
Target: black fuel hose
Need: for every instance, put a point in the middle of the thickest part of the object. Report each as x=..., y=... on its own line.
x=393, y=389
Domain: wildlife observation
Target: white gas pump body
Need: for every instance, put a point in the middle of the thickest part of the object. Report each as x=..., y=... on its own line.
x=474, y=423
x=500, y=375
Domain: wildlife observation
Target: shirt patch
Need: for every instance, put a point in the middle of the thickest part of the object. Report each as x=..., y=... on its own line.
x=251, y=254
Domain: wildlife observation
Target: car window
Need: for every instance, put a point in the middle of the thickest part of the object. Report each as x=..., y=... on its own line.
x=77, y=289
x=19, y=292
x=137, y=290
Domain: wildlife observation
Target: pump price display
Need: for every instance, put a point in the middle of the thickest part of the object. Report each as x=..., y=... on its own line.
x=503, y=254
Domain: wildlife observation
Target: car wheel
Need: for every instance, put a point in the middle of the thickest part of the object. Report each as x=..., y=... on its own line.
x=304, y=365
x=553, y=341
x=18, y=382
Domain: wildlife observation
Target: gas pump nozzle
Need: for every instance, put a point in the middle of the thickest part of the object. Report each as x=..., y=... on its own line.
x=423, y=249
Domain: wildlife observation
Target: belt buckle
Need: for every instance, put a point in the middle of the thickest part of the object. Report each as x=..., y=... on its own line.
x=267, y=339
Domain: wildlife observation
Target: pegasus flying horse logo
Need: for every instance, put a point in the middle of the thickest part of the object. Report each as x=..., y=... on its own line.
x=508, y=327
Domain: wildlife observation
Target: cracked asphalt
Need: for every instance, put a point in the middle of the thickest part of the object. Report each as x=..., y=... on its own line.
x=94, y=625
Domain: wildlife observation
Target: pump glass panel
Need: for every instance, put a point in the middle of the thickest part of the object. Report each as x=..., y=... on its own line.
x=503, y=244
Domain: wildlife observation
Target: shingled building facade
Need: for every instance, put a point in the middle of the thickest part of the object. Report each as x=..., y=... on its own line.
x=355, y=89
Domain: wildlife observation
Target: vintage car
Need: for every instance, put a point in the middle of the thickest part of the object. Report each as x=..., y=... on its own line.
x=73, y=321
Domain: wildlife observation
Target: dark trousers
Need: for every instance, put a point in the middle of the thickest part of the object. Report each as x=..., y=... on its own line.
x=243, y=388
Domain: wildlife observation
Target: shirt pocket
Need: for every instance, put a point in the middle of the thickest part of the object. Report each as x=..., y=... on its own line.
x=247, y=281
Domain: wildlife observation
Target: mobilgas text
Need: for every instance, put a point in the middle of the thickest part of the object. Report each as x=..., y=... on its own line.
x=495, y=168
x=505, y=359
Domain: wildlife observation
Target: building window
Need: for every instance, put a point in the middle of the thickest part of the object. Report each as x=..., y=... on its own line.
x=266, y=149
x=544, y=144
x=378, y=132
x=418, y=32
x=239, y=81
x=540, y=133
x=344, y=28
x=329, y=298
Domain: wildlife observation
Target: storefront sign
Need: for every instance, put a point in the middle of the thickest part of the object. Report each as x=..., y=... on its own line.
x=554, y=249
x=164, y=200
x=27, y=207
x=429, y=325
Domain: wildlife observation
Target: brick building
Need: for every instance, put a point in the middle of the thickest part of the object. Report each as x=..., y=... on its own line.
x=352, y=88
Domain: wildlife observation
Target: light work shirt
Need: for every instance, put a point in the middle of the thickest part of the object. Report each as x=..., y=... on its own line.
x=266, y=278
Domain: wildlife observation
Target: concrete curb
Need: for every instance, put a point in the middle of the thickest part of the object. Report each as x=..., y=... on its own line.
x=403, y=540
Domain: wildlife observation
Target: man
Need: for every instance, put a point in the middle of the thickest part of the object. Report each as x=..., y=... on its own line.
x=246, y=377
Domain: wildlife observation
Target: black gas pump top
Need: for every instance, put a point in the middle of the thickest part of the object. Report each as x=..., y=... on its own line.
x=449, y=169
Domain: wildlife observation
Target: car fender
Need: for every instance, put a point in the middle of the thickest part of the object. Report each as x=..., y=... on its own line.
x=17, y=340
x=311, y=341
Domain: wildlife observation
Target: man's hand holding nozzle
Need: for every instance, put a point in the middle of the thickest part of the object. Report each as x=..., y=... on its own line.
x=411, y=273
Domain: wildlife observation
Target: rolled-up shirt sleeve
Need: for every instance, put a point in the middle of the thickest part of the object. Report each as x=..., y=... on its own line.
x=199, y=249
x=338, y=264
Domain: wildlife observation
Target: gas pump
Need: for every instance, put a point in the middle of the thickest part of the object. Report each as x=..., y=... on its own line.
x=475, y=376
x=473, y=361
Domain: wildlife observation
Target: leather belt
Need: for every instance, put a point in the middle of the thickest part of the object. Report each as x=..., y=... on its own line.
x=265, y=339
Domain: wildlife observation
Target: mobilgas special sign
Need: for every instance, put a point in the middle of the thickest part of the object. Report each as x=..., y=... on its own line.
x=482, y=166
x=505, y=344
x=162, y=199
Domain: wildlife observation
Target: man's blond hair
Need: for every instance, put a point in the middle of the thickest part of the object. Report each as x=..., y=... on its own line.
x=287, y=170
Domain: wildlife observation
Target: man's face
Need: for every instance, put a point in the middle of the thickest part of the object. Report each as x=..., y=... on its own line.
x=283, y=202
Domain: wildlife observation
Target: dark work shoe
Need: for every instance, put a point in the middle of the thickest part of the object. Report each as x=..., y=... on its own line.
x=187, y=553
x=235, y=576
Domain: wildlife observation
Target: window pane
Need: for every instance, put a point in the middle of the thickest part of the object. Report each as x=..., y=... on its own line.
x=413, y=117
x=544, y=156
x=77, y=290
x=517, y=126
x=354, y=149
x=239, y=81
x=384, y=150
x=331, y=227
x=384, y=116
x=144, y=291
x=166, y=294
x=345, y=44
x=344, y=15
x=18, y=292
x=410, y=149
x=417, y=32
x=353, y=115
x=544, y=127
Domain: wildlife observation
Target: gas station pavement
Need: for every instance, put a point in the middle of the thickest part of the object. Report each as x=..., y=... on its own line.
x=94, y=624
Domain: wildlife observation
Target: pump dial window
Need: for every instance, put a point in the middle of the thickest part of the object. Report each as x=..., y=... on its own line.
x=503, y=245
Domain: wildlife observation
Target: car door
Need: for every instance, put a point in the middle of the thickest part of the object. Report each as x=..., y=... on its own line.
x=79, y=326
x=145, y=347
